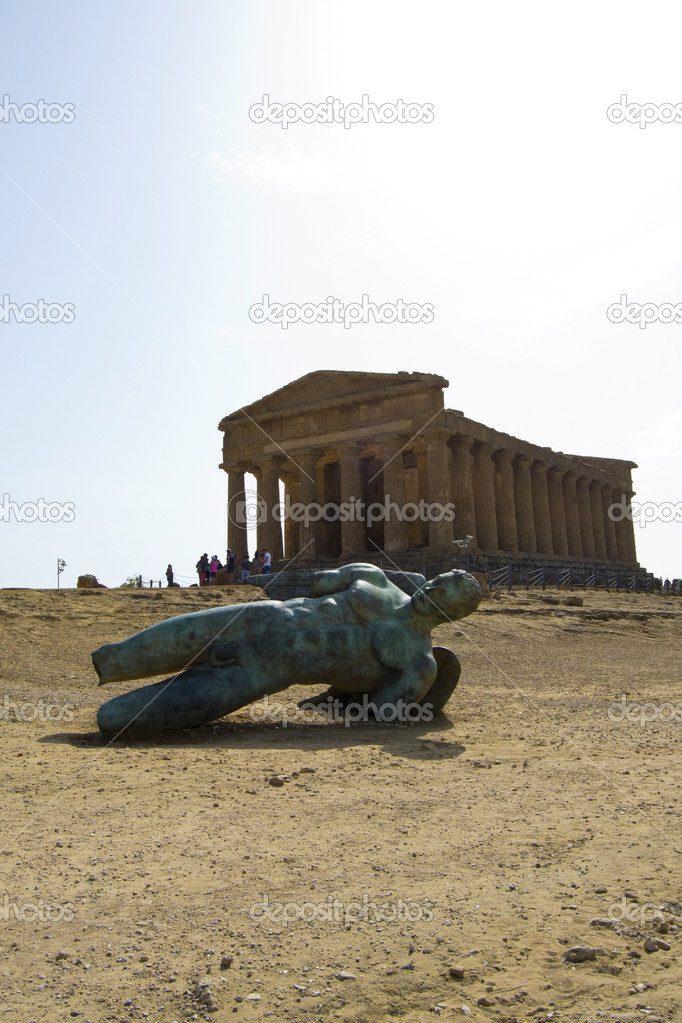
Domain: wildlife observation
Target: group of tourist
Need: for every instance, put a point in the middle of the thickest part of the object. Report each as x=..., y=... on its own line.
x=260, y=564
x=208, y=568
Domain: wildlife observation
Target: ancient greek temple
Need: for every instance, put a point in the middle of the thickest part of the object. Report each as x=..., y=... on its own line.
x=335, y=438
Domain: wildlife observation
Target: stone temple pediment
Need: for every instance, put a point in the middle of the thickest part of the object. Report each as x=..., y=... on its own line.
x=326, y=385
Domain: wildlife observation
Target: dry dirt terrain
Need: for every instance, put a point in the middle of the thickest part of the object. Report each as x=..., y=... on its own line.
x=391, y=873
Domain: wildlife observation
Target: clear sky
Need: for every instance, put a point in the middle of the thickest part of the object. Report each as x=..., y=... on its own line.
x=161, y=212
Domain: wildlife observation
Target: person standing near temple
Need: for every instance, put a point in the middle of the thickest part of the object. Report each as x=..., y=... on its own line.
x=256, y=564
x=202, y=570
x=169, y=575
x=267, y=561
x=230, y=566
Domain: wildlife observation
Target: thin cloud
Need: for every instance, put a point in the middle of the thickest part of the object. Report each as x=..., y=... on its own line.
x=281, y=170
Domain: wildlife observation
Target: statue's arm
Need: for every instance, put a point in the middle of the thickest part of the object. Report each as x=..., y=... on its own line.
x=337, y=579
x=409, y=684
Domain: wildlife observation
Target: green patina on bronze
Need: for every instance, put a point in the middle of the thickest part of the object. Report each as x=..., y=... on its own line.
x=358, y=633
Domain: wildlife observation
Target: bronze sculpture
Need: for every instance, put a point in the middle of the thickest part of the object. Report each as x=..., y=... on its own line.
x=359, y=633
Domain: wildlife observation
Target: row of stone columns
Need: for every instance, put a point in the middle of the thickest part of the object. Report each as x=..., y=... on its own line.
x=527, y=506
x=504, y=500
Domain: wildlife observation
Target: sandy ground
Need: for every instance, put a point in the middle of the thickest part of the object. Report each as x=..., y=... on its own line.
x=406, y=871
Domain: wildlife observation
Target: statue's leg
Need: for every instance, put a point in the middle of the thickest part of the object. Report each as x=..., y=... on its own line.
x=195, y=696
x=443, y=687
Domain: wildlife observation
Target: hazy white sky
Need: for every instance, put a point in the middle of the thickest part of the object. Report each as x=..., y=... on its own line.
x=162, y=213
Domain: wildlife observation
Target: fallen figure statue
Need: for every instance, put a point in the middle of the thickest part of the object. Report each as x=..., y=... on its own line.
x=358, y=633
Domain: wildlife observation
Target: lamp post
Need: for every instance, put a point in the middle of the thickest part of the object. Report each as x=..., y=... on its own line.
x=61, y=565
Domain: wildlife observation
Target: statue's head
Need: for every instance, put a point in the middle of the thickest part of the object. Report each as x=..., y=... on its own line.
x=448, y=596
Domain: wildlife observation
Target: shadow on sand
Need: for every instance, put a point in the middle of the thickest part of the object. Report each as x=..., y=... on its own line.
x=415, y=742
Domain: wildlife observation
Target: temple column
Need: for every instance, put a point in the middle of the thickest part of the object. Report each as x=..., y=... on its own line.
x=575, y=546
x=484, y=497
x=441, y=532
x=269, y=529
x=395, y=530
x=308, y=496
x=237, y=538
x=353, y=539
x=609, y=524
x=543, y=525
x=463, y=488
x=523, y=502
x=585, y=517
x=597, y=520
x=557, y=513
x=505, y=508
x=291, y=524
x=625, y=528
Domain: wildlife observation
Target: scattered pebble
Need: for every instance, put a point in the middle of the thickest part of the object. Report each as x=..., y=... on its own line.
x=656, y=944
x=580, y=954
x=203, y=995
